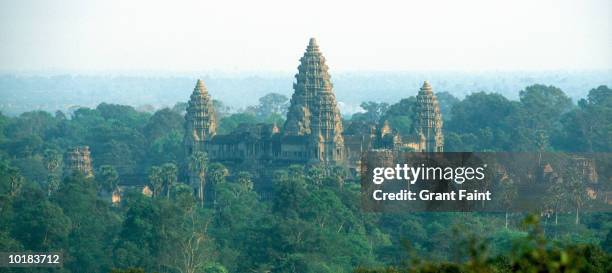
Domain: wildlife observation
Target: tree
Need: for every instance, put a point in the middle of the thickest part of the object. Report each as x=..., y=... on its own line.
x=183, y=197
x=598, y=108
x=316, y=175
x=221, y=110
x=129, y=270
x=575, y=188
x=296, y=171
x=138, y=240
x=272, y=104
x=169, y=173
x=555, y=196
x=108, y=178
x=167, y=148
x=163, y=122
x=53, y=161
x=15, y=181
x=198, y=163
x=180, y=108
x=217, y=174
x=191, y=250
x=543, y=105
x=245, y=182
x=40, y=224
x=446, y=101
x=93, y=225
x=156, y=178
x=541, y=142
x=289, y=191
x=338, y=175
x=34, y=123
x=400, y=115
x=509, y=192
x=587, y=128
x=482, y=121
x=124, y=114
x=231, y=122
x=374, y=111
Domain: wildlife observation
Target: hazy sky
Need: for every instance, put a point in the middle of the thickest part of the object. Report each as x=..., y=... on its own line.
x=224, y=35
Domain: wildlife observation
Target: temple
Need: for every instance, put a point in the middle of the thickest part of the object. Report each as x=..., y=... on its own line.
x=313, y=115
x=429, y=120
x=200, y=125
x=313, y=132
x=78, y=159
x=200, y=121
x=312, y=135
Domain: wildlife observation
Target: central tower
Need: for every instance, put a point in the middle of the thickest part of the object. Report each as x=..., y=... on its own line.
x=313, y=112
x=428, y=123
x=200, y=121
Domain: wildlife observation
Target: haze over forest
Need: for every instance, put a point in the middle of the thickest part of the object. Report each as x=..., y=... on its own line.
x=148, y=91
x=552, y=42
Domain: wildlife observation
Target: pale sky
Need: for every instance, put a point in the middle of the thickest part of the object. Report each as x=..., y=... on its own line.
x=262, y=35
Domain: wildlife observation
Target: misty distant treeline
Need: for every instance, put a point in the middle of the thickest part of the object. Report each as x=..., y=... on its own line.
x=22, y=93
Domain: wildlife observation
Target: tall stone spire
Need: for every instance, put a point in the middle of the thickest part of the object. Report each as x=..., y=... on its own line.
x=200, y=121
x=78, y=159
x=313, y=111
x=428, y=123
x=200, y=88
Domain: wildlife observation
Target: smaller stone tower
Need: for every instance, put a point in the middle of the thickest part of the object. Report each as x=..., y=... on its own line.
x=200, y=121
x=79, y=160
x=428, y=122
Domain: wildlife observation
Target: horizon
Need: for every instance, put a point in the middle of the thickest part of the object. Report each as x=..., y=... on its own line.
x=22, y=93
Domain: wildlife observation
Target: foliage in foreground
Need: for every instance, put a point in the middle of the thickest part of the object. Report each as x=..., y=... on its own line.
x=533, y=253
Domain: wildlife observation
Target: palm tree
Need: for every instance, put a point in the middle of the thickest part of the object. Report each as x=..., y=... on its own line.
x=16, y=181
x=555, y=196
x=245, y=181
x=52, y=160
x=197, y=165
x=339, y=174
x=169, y=171
x=217, y=173
x=509, y=192
x=53, y=183
x=108, y=177
x=156, y=179
x=575, y=189
x=316, y=175
x=541, y=141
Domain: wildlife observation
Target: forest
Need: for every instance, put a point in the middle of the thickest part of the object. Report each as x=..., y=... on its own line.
x=312, y=221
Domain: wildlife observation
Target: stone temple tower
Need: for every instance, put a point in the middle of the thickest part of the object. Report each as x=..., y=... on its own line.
x=313, y=111
x=428, y=122
x=200, y=121
x=78, y=159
